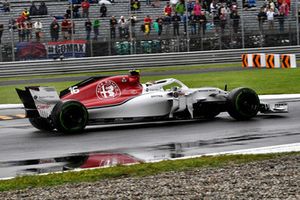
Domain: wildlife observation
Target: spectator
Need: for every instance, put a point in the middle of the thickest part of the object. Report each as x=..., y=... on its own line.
x=88, y=28
x=122, y=27
x=180, y=7
x=197, y=8
x=168, y=10
x=193, y=21
x=28, y=30
x=272, y=5
x=233, y=7
x=223, y=19
x=103, y=10
x=270, y=18
x=54, y=30
x=96, y=25
x=288, y=3
x=71, y=28
x=76, y=11
x=6, y=6
x=234, y=16
x=21, y=29
x=167, y=23
x=135, y=5
x=113, y=23
x=85, y=5
x=11, y=24
x=64, y=28
x=184, y=19
x=68, y=13
x=160, y=23
x=25, y=14
x=132, y=21
x=38, y=26
x=284, y=8
x=280, y=18
x=190, y=6
x=261, y=17
x=176, y=20
x=33, y=9
x=202, y=23
x=213, y=8
x=147, y=24
x=1, y=31
x=43, y=10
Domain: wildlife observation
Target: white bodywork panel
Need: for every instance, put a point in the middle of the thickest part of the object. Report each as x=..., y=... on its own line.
x=145, y=105
x=156, y=101
x=44, y=99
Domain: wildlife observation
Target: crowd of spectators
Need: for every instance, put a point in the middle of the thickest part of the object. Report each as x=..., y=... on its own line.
x=177, y=17
x=272, y=10
x=195, y=17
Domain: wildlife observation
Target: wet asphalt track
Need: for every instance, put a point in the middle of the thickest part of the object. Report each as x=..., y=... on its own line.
x=146, y=141
x=24, y=149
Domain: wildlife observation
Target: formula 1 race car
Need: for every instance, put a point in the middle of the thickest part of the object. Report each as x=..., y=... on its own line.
x=123, y=98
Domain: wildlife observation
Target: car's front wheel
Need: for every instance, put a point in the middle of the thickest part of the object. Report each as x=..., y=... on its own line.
x=69, y=116
x=243, y=103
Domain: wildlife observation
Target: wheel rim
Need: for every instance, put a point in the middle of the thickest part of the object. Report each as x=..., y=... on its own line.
x=247, y=104
x=73, y=117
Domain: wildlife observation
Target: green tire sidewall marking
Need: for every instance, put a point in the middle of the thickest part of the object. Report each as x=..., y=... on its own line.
x=236, y=102
x=238, y=106
x=66, y=107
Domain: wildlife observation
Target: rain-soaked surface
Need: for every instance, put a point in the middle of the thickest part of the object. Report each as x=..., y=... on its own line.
x=24, y=150
x=130, y=155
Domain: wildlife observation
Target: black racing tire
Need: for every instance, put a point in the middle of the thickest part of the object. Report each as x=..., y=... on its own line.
x=243, y=103
x=42, y=124
x=69, y=116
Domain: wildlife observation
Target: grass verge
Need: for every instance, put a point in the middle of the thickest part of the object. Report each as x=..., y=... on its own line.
x=141, y=170
x=263, y=81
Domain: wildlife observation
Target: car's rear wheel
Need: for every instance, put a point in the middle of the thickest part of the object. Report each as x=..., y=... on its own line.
x=243, y=103
x=69, y=116
x=41, y=123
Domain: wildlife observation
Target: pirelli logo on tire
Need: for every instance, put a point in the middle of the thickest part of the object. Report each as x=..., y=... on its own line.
x=269, y=60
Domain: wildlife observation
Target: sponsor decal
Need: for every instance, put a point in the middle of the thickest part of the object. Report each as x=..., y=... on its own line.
x=124, y=80
x=107, y=90
x=66, y=48
x=43, y=106
x=31, y=50
x=36, y=50
x=156, y=96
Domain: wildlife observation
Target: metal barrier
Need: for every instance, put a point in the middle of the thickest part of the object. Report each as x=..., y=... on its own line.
x=116, y=63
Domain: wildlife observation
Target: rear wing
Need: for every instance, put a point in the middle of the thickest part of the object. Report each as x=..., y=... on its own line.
x=38, y=101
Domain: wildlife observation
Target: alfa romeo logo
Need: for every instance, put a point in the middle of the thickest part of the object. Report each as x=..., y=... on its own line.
x=107, y=90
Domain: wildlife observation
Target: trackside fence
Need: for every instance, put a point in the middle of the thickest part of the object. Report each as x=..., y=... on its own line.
x=124, y=62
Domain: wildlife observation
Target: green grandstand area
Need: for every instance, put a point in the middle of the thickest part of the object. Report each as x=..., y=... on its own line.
x=264, y=81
